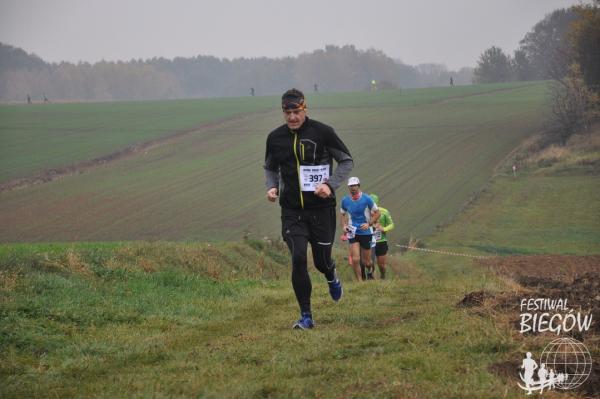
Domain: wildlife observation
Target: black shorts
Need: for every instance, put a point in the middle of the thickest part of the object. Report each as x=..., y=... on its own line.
x=317, y=225
x=381, y=248
x=363, y=240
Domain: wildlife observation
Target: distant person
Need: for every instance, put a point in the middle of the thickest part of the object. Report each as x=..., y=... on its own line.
x=299, y=161
x=359, y=213
x=381, y=228
x=252, y=91
x=45, y=99
x=373, y=85
x=28, y=99
x=316, y=88
x=451, y=81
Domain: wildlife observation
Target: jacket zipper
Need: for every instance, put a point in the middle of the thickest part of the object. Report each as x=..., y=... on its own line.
x=298, y=168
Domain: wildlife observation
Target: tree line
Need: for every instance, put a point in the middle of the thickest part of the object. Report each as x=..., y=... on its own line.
x=539, y=55
x=332, y=69
x=565, y=48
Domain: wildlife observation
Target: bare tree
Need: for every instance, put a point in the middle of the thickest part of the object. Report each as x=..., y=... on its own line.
x=574, y=105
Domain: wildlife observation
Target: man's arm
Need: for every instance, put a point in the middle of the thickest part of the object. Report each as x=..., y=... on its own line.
x=343, y=222
x=271, y=175
x=375, y=216
x=272, y=179
x=342, y=156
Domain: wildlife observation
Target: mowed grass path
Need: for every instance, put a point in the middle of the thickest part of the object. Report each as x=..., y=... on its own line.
x=149, y=320
x=424, y=152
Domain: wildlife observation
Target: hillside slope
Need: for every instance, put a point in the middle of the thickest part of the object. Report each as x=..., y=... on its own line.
x=213, y=320
x=425, y=152
x=551, y=205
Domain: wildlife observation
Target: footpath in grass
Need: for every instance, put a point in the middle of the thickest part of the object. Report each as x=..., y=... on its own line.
x=153, y=320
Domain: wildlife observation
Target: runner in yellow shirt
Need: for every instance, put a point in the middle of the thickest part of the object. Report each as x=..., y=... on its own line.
x=384, y=224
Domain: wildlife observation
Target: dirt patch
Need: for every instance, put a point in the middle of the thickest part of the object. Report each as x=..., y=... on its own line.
x=403, y=318
x=592, y=385
x=475, y=298
x=507, y=369
x=543, y=268
x=48, y=175
x=574, y=278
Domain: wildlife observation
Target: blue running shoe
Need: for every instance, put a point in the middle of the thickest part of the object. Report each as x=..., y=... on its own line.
x=306, y=322
x=335, y=289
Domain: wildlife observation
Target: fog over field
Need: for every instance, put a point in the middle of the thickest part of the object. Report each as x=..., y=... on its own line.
x=452, y=33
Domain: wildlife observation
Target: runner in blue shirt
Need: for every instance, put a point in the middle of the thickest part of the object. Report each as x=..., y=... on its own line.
x=359, y=214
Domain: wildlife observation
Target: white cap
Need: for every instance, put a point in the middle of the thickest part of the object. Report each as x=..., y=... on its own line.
x=353, y=180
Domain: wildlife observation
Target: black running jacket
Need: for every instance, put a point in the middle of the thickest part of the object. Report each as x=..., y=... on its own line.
x=290, y=154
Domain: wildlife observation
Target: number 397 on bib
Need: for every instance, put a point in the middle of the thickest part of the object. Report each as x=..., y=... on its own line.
x=312, y=176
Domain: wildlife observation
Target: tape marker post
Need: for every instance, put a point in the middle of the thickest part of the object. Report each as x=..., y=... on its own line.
x=443, y=252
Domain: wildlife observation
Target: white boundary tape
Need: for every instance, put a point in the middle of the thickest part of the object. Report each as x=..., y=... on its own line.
x=443, y=252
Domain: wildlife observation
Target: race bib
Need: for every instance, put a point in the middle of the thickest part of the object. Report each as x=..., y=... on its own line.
x=377, y=235
x=313, y=175
x=351, y=232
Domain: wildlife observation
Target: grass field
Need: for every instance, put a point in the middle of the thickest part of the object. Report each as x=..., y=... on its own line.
x=551, y=206
x=425, y=152
x=136, y=320
x=45, y=136
x=212, y=320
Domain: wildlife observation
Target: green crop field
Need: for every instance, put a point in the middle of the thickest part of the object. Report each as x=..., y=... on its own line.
x=565, y=220
x=425, y=152
x=120, y=318
x=43, y=136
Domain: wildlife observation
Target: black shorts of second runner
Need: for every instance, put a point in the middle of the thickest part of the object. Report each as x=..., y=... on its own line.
x=381, y=248
x=363, y=240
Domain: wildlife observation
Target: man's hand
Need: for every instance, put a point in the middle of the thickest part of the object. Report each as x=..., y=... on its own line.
x=272, y=194
x=364, y=226
x=323, y=191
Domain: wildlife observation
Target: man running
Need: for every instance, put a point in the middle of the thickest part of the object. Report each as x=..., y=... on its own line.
x=359, y=213
x=299, y=171
x=383, y=225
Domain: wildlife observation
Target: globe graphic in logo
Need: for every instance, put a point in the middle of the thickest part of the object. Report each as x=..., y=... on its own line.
x=568, y=357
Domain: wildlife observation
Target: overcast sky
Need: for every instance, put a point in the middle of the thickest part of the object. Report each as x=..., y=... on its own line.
x=442, y=31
